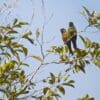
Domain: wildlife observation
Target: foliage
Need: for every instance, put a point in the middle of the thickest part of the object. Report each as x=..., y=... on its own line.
x=86, y=97
x=93, y=18
x=14, y=81
x=12, y=77
x=83, y=57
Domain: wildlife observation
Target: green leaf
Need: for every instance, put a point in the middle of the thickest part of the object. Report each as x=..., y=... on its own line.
x=82, y=63
x=7, y=28
x=15, y=21
x=79, y=67
x=82, y=39
x=16, y=45
x=30, y=40
x=37, y=58
x=61, y=89
x=59, y=77
x=12, y=32
x=97, y=24
x=48, y=94
x=44, y=80
x=87, y=11
x=23, y=23
x=6, y=54
x=66, y=77
x=52, y=78
x=37, y=33
x=1, y=38
x=25, y=51
x=15, y=54
x=97, y=62
x=70, y=83
x=45, y=90
x=87, y=43
x=24, y=64
x=87, y=61
x=17, y=26
x=86, y=97
x=25, y=35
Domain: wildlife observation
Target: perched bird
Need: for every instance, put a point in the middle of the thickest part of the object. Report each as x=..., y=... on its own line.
x=73, y=34
x=66, y=39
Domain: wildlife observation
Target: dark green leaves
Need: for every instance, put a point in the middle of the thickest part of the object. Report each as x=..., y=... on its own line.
x=87, y=11
x=69, y=83
x=61, y=89
x=23, y=23
x=25, y=51
x=27, y=36
x=15, y=21
x=79, y=68
x=86, y=41
x=12, y=32
x=52, y=80
x=17, y=24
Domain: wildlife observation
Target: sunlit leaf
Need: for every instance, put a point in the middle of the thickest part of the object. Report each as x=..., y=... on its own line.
x=37, y=58
x=45, y=90
x=86, y=97
x=1, y=70
x=25, y=35
x=87, y=43
x=25, y=51
x=59, y=77
x=97, y=62
x=52, y=78
x=16, y=45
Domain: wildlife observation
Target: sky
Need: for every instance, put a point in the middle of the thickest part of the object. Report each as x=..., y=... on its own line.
x=63, y=11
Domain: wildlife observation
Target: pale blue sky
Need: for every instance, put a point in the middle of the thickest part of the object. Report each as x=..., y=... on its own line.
x=63, y=12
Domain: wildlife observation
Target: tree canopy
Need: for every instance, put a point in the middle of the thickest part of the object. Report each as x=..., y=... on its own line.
x=15, y=58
